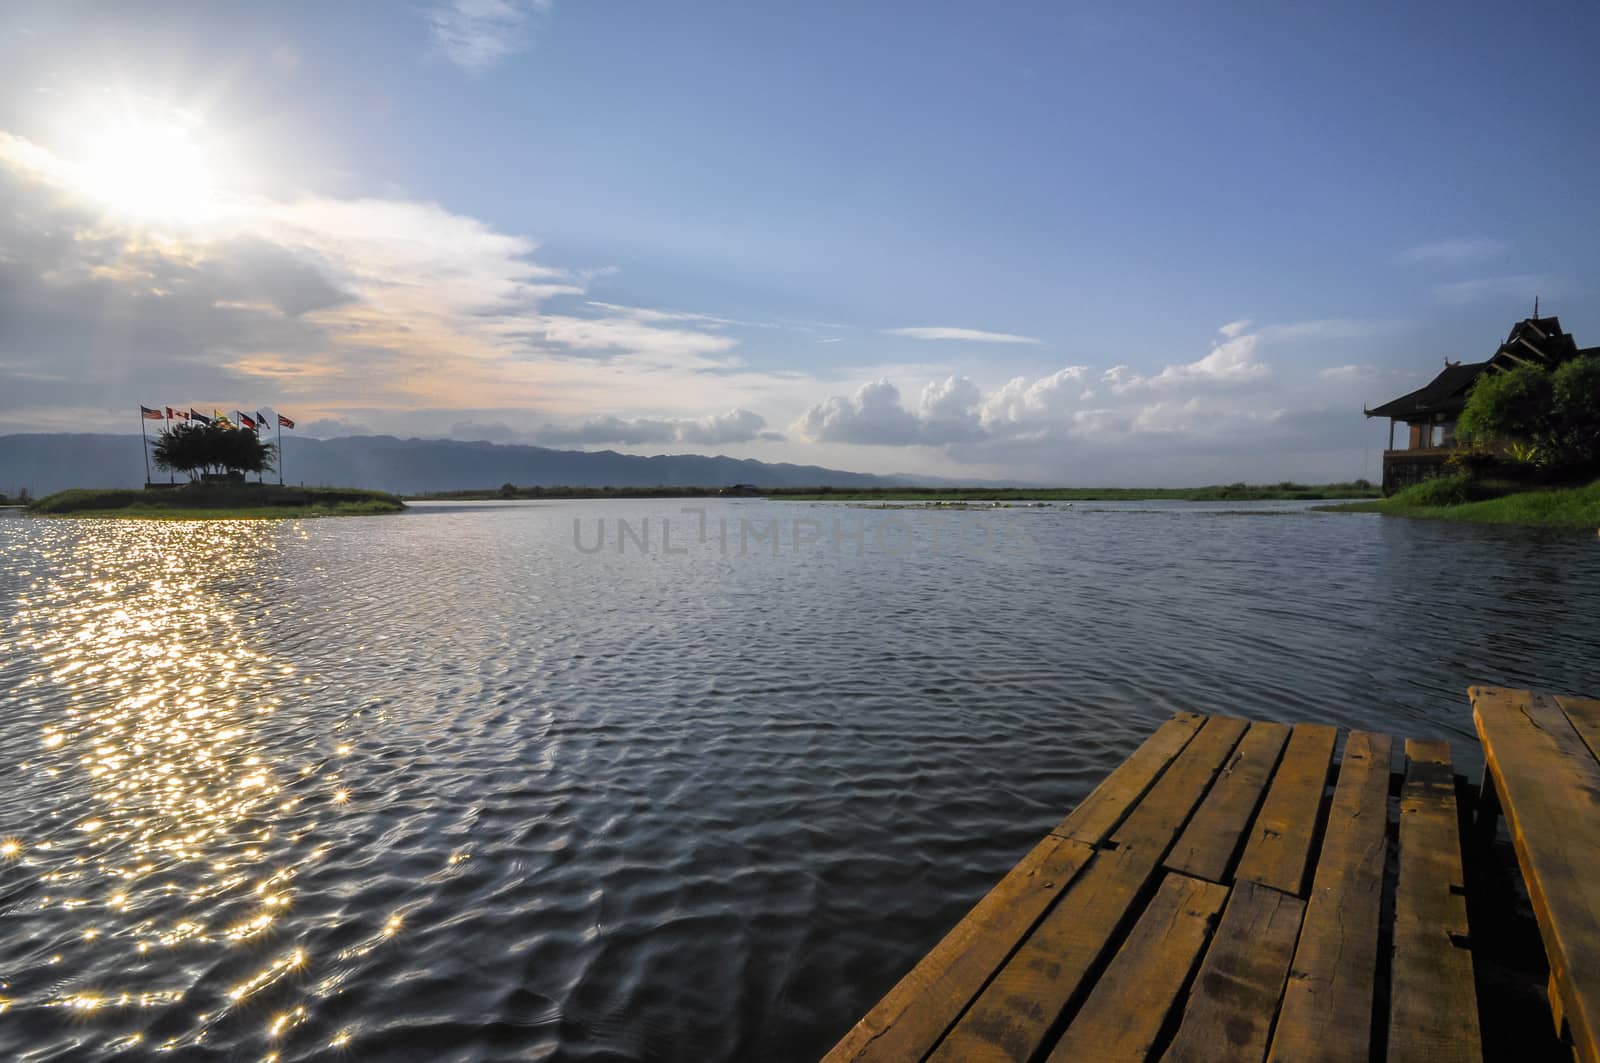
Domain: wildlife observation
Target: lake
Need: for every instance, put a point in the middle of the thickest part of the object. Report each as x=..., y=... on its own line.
x=615, y=780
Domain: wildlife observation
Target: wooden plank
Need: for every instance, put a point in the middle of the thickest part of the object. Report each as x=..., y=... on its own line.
x=1327, y=1003
x=1215, y=835
x=1548, y=781
x=1584, y=715
x=1131, y=1001
x=1011, y=1017
x=1552, y=993
x=1433, y=1014
x=1099, y=814
x=912, y=1016
x=1235, y=996
x=1279, y=849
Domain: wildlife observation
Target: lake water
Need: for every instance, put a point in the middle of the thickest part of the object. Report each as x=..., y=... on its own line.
x=458, y=785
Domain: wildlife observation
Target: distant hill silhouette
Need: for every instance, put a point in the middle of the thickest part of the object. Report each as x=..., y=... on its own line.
x=45, y=463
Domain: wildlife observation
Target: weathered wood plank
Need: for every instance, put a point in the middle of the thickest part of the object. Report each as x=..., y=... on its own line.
x=1130, y=1003
x=1012, y=1016
x=1279, y=849
x=1327, y=1003
x=1099, y=814
x=1215, y=835
x=1548, y=782
x=912, y=1016
x=1433, y=1016
x=1552, y=993
x=1584, y=715
x=1235, y=996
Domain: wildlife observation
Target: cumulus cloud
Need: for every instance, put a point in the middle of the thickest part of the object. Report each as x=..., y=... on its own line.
x=971, y=335
x=1214, y=401
x=479, y=34
x=1232, y=362
x=873, y=416
x=1021, y=401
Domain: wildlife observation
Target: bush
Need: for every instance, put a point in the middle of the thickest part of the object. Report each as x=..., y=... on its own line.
x=1575, y=412
x=1444, y=491
x=1551, y=418
x=192, y=447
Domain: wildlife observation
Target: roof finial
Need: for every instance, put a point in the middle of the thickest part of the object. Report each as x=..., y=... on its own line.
x=1535, y=304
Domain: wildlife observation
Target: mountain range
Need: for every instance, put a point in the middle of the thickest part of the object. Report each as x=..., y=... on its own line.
x=49, y=462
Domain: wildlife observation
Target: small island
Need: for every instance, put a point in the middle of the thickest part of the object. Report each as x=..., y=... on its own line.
x=217, y=501
x=215, y=454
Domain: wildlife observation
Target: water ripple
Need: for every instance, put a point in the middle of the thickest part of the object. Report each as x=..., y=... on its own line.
x=444, y=786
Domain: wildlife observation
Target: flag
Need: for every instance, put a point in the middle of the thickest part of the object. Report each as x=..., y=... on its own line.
x=284, y=422
x=150, y=415
x=196, y=415
x=176, y=415
x=245, y=422
x=262, y=420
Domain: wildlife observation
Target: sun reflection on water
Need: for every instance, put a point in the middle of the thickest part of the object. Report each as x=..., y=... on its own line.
x=166, y=799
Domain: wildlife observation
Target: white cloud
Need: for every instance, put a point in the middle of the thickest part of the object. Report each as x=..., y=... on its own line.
x=1218, y=404
x=478, y=34
x=1021, y=401
x=1458, y=252
x=623, y=335
x=969, y=334
x=1232, y=362
x=639, y=313
x=328, y=307
x=735, y=426
x=872, y=416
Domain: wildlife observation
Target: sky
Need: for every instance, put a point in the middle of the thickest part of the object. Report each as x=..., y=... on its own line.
x=1067, y=243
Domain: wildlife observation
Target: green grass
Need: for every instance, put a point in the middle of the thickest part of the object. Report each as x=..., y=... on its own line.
x=1461, y=498
x=217, y=502
x=1237, y=492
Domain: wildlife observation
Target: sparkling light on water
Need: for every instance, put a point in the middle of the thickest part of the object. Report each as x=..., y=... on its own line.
x=170, y=816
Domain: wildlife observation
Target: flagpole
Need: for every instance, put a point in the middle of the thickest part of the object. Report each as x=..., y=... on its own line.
x=171, y=475
x=146, y=437
x=279, y=422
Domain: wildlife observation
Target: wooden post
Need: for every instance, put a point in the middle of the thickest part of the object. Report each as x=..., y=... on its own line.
x=1391, y=433
x=146, y=437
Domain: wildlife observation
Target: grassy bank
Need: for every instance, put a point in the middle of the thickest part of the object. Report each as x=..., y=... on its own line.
x=1237, y=492
x=1478, y=502
x=217, y=502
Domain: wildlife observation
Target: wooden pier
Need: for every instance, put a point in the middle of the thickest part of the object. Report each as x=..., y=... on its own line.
x=1222, y=895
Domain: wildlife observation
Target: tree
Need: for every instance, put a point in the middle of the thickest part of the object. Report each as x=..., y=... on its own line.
x=1553, y=417
x=1575, y=412
x=195, y=448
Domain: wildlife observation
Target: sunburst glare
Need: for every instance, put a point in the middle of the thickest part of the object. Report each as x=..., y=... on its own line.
x=149, y=167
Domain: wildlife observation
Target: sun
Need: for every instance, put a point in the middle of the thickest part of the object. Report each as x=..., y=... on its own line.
x=151, y=172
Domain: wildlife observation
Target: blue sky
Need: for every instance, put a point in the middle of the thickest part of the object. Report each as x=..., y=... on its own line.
x=1075, y=243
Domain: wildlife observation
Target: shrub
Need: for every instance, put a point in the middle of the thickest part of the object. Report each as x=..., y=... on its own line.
x=1444, y=491
x=1549, y=418
x=192, y=448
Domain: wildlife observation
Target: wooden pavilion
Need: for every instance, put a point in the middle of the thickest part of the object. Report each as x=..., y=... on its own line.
x=1430, y=412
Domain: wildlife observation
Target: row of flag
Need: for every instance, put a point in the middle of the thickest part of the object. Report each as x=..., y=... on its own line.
x=256, y=421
